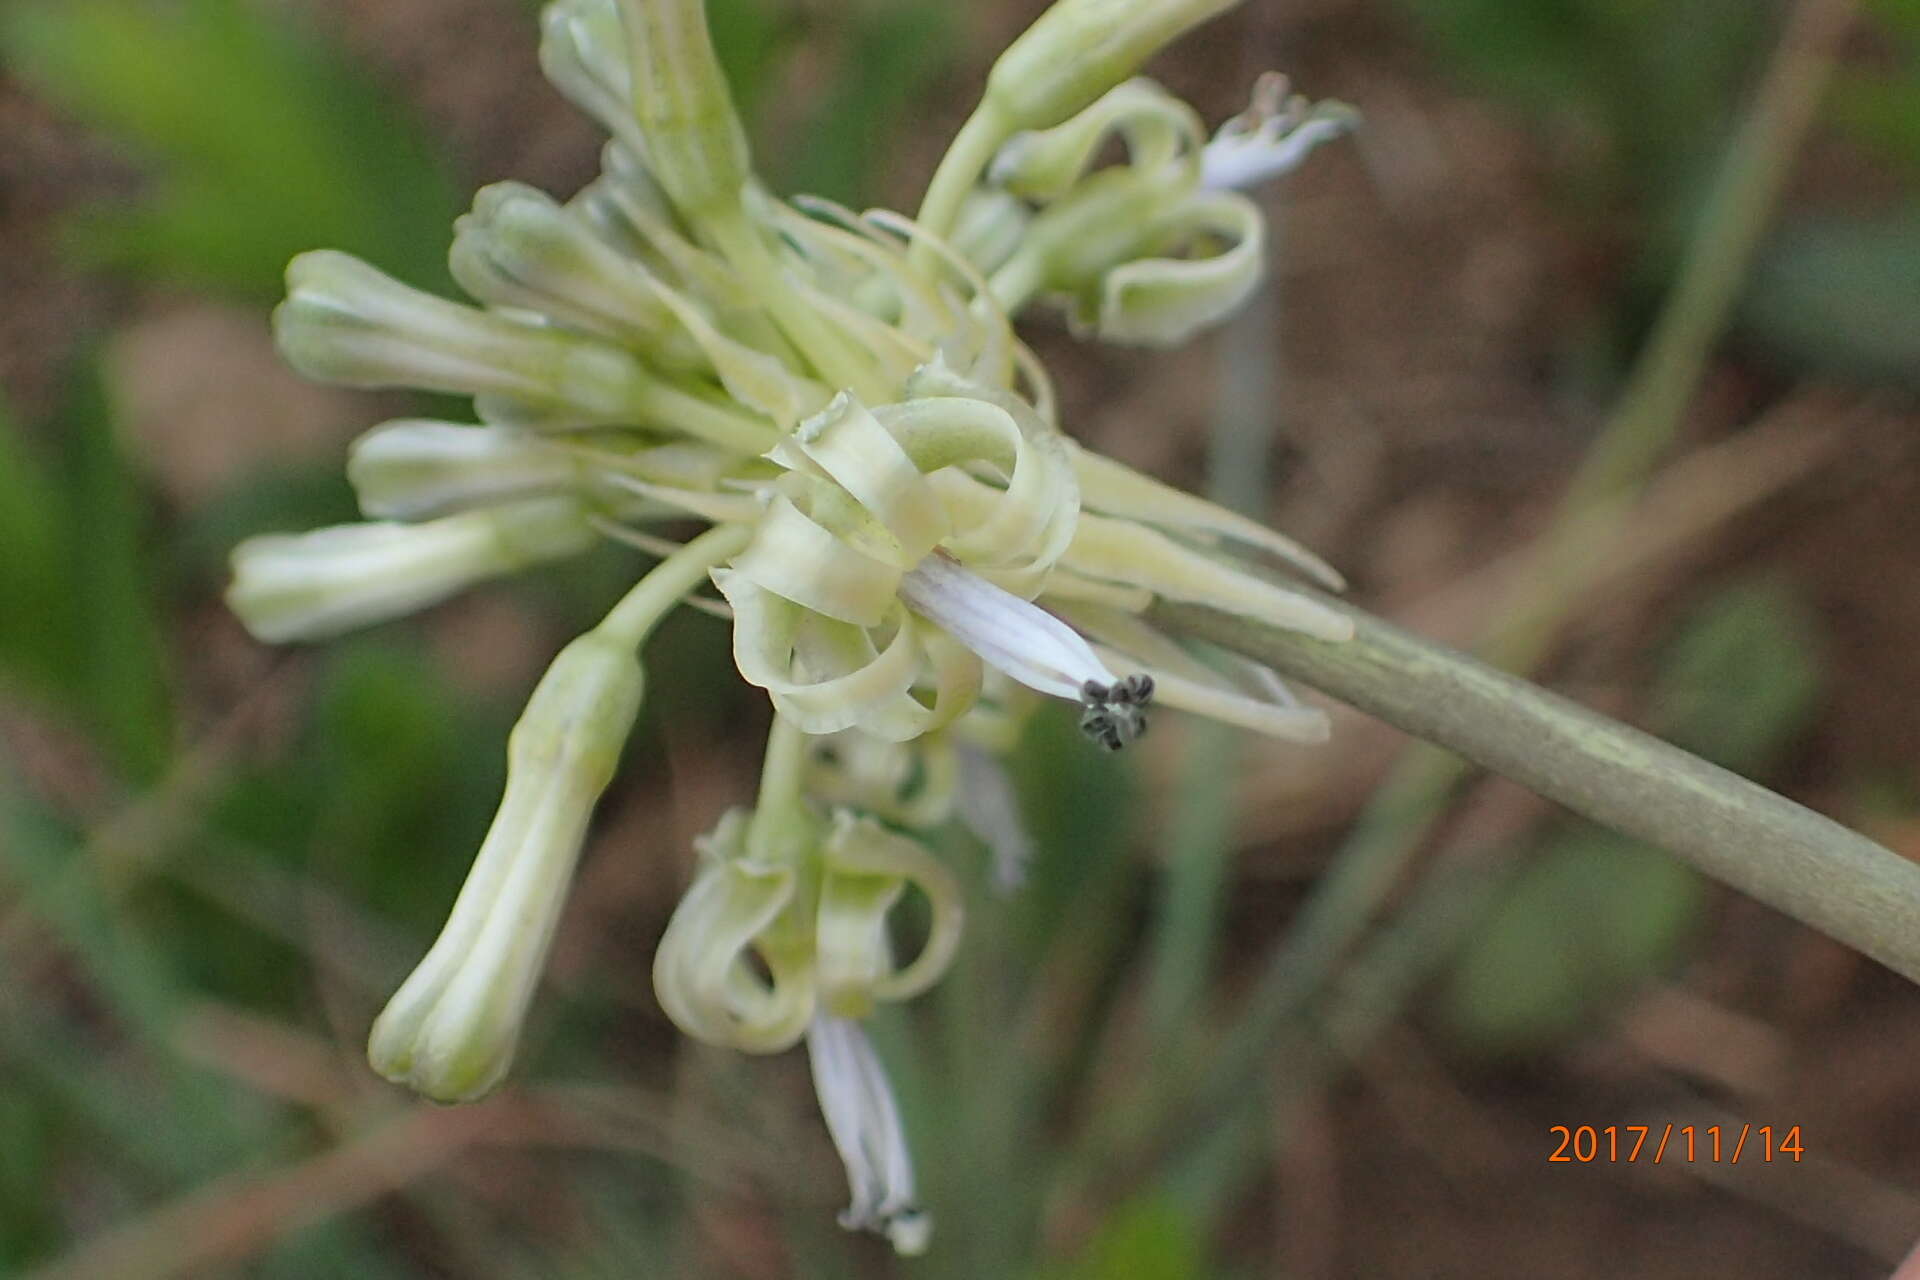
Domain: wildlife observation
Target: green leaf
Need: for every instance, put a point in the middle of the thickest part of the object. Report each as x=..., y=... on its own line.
x=263, y=141
x=1587, y=920
x=1741, y=676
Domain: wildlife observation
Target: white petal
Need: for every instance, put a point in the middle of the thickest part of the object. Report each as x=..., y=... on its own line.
x=857, y=1103
x=1019, y=638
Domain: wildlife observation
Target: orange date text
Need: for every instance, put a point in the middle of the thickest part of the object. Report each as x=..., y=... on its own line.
x=1692, y=1143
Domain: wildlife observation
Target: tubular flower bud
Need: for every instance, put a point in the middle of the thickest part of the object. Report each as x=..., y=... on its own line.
x=1079, y=49
x=583, y=53
x=694, y=143
x=346, y=322
x=451, y=1029
x=519, y=248
x=414, y=469
x=309, y=586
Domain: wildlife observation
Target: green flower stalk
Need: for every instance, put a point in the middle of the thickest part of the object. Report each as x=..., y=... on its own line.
x=910, y=548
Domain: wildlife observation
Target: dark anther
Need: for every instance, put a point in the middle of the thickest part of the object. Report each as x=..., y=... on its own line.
x=1115, y=716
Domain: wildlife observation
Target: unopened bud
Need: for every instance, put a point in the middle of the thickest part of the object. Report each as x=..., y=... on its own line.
x=519, y=248
x=347, y=322
x=694, y=143
x=1079, y=49
x=415, y=469
x=308, y=586
x=451, y=1030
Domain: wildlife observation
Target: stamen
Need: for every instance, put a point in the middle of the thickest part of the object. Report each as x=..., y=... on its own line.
x=1115, y=714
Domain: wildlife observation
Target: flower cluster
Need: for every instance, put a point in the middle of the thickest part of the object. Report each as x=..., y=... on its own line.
x=904, y=538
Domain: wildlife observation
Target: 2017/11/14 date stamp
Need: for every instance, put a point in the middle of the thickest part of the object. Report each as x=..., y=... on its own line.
x=1694, y=1144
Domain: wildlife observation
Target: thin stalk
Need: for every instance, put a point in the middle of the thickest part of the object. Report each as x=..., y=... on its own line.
x=1764, y=845
x=966, y=159
x=718, y=422
x=632, y=620
x=782, y=775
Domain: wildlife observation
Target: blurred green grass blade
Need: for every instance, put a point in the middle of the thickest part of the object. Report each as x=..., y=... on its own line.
x=58, y=1073
x=1842, y=296
x=264, y=141
x=118, y=660
x=178, y=1105
x=1636, y=98
x=1080, y=807
x=1534, y=52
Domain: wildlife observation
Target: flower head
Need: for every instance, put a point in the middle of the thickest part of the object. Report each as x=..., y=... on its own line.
x=909, y=547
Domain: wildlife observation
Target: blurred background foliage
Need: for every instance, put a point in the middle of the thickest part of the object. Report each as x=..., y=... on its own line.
x=215, y=861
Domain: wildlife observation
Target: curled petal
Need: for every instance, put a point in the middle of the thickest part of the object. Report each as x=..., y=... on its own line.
x=701, y=972
x=846, y=444
x=1164, y=301
x=1157, y=127
x=798, y=559
x=865, y=869
x=826, y=676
